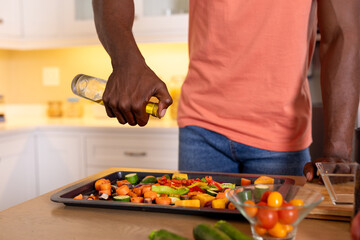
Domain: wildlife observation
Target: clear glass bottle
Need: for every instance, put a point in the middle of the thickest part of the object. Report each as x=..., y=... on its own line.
x=92, y=88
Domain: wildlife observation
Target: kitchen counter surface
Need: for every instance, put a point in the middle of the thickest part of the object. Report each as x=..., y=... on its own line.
x=40, y=218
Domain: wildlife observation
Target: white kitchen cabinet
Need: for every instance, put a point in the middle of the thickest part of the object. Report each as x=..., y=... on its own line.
x=152, y=149
x=60, y=159
x=10, y=19
x=17, y=169
x=38, y=24
x=161, y=20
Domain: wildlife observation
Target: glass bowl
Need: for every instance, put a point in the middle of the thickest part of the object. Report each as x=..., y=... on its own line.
x=339, y=180
x=268, y=217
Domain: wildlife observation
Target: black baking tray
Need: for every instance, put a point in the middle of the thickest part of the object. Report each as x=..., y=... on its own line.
x=86, y=187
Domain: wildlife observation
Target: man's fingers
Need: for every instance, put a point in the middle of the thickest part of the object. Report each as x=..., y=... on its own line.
x=309, y=171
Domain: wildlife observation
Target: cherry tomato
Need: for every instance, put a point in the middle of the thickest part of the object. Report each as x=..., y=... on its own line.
x=287, y=216
x=278, y=231
x=260, y=230
x=250, y=211
x=264, y=196
x=267, y=217
x=288, y=228
x=275, y=199
x=297, y=202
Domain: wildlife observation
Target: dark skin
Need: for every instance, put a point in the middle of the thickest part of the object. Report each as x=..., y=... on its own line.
x=339, y=25
x=132, y=82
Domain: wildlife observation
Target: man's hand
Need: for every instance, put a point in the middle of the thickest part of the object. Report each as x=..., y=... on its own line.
x=128, y=91
x=310, y=170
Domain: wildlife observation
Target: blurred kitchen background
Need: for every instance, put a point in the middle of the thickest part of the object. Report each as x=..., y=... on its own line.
x=50, y=137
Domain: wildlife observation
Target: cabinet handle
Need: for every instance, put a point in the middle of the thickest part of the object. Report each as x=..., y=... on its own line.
x=135, y=154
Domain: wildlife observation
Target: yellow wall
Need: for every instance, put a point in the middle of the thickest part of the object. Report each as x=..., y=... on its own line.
x=21, y=71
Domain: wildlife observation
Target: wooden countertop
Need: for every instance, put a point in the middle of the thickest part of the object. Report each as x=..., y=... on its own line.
x=40, y=218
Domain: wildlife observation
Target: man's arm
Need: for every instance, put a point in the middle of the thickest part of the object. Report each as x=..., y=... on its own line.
x=339, y=24
x=132, y=83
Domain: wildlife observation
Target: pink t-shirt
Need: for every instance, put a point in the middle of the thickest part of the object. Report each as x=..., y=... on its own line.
x=248, y=68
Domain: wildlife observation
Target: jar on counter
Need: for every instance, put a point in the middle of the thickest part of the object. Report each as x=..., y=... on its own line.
x=73, y=108
x=2, y=109
x=54, y=109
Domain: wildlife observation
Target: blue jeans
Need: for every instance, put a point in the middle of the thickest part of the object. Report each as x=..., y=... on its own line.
x=204, y=150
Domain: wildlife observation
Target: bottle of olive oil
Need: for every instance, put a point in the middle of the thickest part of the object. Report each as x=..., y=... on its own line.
x=92, y=88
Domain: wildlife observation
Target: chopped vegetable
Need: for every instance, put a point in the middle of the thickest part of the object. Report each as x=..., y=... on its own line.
x=149, y=179
x=264, y=180
x=245, y=195
x=180, y=176
x=245, y=181
x=150, y=194
x=204, y=198
x=169, y=190
x=137, y=199
x=259, y=191
x=163, y=200
x=132, y=178
x=188, y=203
x=103, y=196
x=227, y=185
x=219, y=203
x=80, y=196
x=123, y=190
x=122, y=198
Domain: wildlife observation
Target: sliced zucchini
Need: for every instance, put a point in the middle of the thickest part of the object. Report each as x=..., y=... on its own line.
x=132, y=178
x=259, y=191
x=122, y=198
x=211, y=192
x=148, y=179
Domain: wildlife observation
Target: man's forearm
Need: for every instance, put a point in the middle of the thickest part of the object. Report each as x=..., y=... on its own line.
x=114, y=20
x=340, y=74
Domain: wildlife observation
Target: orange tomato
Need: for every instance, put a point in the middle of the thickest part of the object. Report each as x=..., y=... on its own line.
x=260, y=230
x=250, y=211
x=275, y=199
x=278, y=231
x=297, y=202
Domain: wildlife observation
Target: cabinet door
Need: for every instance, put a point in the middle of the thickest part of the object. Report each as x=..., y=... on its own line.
x=161, y=20
x=10, y=18
x=78, y=18
x=60, y=160
x=17, y=170
x=131, y=150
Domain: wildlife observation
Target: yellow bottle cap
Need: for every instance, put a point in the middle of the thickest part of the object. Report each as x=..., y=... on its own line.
x=152, y=109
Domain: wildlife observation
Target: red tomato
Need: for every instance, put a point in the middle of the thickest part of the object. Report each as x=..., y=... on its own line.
x=275, y=199
x=267, y=217
x=287, y=216
x=264, y=196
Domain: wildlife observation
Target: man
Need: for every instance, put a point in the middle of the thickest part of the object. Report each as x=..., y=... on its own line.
x=245, y=104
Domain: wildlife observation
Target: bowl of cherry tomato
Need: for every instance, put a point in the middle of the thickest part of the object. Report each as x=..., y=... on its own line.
x=274, y=210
